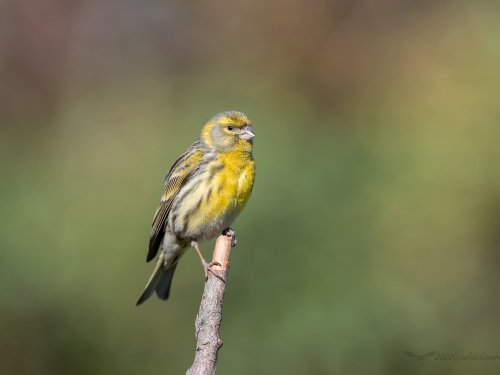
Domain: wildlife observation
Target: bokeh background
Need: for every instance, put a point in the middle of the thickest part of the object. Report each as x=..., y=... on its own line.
x=374, y=226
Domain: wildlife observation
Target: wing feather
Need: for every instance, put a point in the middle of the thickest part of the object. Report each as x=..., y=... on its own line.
x=179, y=174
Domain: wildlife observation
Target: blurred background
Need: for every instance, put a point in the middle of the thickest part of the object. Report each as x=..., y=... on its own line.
x=374, y=225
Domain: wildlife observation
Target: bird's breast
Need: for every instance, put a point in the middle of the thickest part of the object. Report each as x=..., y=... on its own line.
x=222, y=191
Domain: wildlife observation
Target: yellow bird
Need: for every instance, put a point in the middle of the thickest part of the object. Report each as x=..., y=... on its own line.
x=207, y=187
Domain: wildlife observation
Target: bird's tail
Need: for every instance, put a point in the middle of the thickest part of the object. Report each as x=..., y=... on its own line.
x=160, y=281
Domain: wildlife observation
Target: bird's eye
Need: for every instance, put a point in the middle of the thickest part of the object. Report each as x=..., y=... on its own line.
x=229, y=127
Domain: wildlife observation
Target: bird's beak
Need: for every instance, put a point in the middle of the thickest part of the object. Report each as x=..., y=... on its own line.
x=247, y=133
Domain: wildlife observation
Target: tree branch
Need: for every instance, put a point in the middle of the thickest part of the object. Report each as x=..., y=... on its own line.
x=209, y=317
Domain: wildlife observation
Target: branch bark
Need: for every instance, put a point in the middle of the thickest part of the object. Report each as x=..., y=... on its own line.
x=209, y=317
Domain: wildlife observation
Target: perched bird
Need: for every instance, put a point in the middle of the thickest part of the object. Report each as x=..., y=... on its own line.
x=207, y=187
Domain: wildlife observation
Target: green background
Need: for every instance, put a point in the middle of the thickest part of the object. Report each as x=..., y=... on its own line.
x=374, y=225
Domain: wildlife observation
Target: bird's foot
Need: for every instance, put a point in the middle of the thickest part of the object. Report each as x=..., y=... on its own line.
x=230, y=233
x=208, y=268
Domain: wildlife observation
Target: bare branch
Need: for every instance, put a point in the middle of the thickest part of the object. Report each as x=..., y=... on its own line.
x=209, y=317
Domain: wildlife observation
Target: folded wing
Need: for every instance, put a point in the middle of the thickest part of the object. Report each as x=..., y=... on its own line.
x=180, y=173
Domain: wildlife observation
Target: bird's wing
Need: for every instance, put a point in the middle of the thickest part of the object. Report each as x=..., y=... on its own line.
x=179, y=174
x=410, y=354
x=429, y=354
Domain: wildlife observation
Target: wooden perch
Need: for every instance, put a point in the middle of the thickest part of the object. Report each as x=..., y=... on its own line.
x=209, y=317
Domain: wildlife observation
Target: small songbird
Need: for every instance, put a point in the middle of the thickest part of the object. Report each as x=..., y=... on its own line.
x=207, y=187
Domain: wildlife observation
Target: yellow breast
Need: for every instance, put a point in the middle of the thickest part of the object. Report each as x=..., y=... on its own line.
x=234, y=182
x=223, y=195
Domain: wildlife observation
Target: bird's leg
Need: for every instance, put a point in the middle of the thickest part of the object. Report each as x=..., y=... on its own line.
x=206, y=266
x=230, y=233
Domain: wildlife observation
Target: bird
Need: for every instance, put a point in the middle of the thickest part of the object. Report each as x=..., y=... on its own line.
x=206, y=189
x=419, y=357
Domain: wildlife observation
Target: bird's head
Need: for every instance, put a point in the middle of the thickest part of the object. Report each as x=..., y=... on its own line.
x=228, y=131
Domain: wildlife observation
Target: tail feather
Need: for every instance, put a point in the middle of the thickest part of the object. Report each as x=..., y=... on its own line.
x=164, y=283
x=159, y=281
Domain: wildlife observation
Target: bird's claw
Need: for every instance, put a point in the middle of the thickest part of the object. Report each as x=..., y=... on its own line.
x=208, y=268
x=230, y=233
